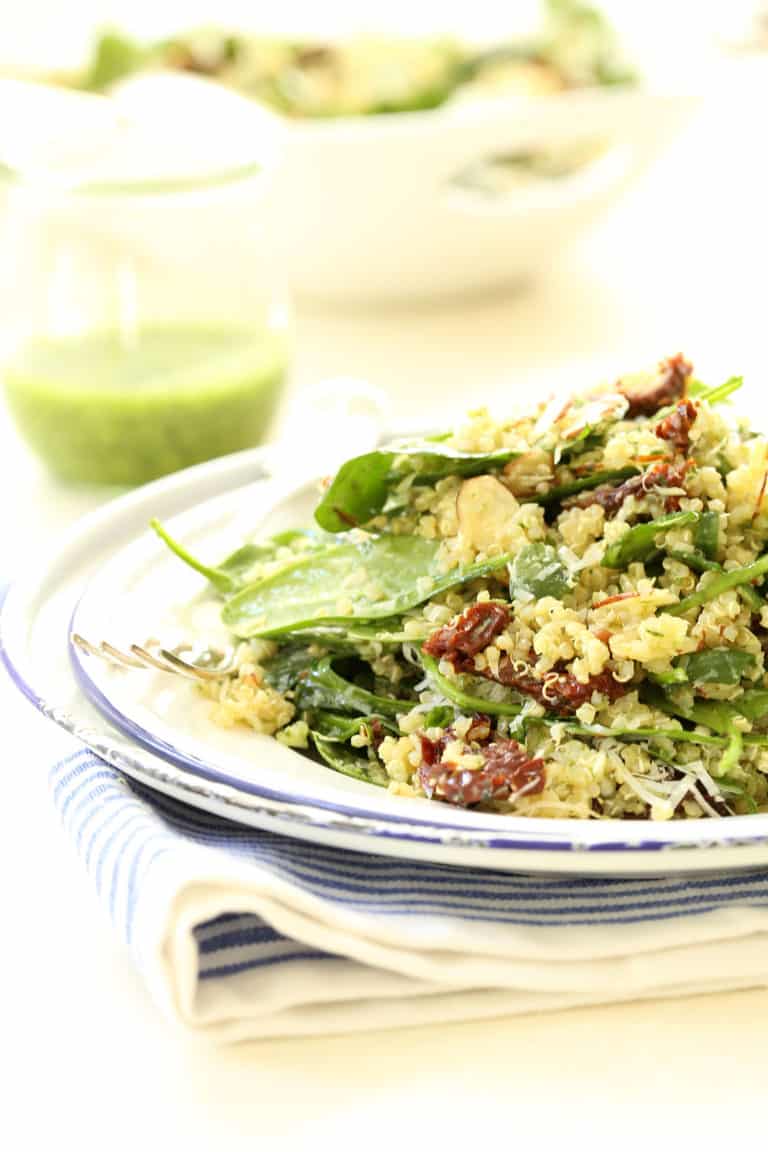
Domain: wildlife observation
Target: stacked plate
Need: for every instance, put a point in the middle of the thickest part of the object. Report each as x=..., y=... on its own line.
x=112, y=579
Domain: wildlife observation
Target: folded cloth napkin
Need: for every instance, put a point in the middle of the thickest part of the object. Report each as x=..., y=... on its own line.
x=241, y=933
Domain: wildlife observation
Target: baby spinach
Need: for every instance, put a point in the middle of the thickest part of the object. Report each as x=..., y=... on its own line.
x=311, y=590
x=719, y=584
x=639, y=543
x=717, y=665
x=287, y=666
x=715, y=714
x=360, y=488
x=348, y=763
x=323, y=688
x=388, y=633
x=231, y=574
x=340, y=729
x=753, y=704
x=456, y=691
x=439, y=717
x=538, y=571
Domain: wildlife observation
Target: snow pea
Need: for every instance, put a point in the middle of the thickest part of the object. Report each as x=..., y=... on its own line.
x=707, y=534
x=696, y=561
x=721, y=391
x=362, y=485
x=719, y=584
x=584, y=484
x=639, y=543
x=308, y=591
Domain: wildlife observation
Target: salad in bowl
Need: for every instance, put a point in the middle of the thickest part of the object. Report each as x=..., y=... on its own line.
x=418, y=168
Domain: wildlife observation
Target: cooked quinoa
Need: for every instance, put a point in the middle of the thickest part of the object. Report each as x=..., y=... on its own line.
x=560, y=615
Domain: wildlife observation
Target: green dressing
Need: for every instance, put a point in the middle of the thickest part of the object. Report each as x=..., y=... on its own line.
x=101, y=409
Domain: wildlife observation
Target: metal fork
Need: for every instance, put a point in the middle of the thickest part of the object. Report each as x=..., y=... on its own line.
x=202, y=664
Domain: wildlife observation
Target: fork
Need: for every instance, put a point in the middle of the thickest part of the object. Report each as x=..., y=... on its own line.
x=202, y=664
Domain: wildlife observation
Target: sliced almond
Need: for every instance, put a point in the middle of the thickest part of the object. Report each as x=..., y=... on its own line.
x=484, y=508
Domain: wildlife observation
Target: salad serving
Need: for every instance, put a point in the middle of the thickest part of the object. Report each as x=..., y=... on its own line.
x=368, y=76
x=557, y=615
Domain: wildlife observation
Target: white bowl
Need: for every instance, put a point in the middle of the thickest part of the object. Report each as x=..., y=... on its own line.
x=368, y=208
x=371, y=208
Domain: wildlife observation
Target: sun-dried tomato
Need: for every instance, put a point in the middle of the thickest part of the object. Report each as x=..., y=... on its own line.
x=377, y=732
x=479, y=732
x=670, y=384
x=676, y=428
x=560, y=692
x=664, y=475
x=474, y=630
x=507, y=771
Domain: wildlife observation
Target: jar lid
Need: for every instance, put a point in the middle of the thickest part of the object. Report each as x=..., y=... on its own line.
x=157, y=134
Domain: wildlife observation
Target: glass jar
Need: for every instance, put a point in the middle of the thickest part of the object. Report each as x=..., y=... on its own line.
x=141, y=330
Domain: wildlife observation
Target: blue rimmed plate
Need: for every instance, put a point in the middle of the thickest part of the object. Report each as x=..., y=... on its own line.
x=111, y=578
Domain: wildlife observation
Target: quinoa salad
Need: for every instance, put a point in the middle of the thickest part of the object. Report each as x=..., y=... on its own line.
x=558, y=615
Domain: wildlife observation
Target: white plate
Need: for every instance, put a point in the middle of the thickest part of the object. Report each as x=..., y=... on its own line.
x=115, y=580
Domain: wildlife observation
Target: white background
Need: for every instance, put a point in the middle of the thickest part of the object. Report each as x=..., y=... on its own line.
x=89, y=1062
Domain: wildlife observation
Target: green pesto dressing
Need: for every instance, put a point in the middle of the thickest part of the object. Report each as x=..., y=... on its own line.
x=101, y=409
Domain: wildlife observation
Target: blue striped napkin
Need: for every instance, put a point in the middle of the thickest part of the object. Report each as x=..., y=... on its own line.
x=241, y=933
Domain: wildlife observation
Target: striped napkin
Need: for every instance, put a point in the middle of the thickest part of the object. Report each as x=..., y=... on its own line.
x=241, y=933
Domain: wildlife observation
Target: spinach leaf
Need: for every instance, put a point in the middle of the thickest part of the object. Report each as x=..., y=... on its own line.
x=458, y=693
x=307, y=592
x=344, y=760
x=717, y=665
x=707, y=534
x=439, y=717
x=639, y=543
x=334, y=727
x=287, y=666
x=719, y=584
x=584, y=484
x=323, y=688
x=231, y=574
x=731, y=787
x=753, y=704
x=360, y=488
x=538, y=571
x=388, y=633
x=358, y=492
x=590, y=437
x=715, y=714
